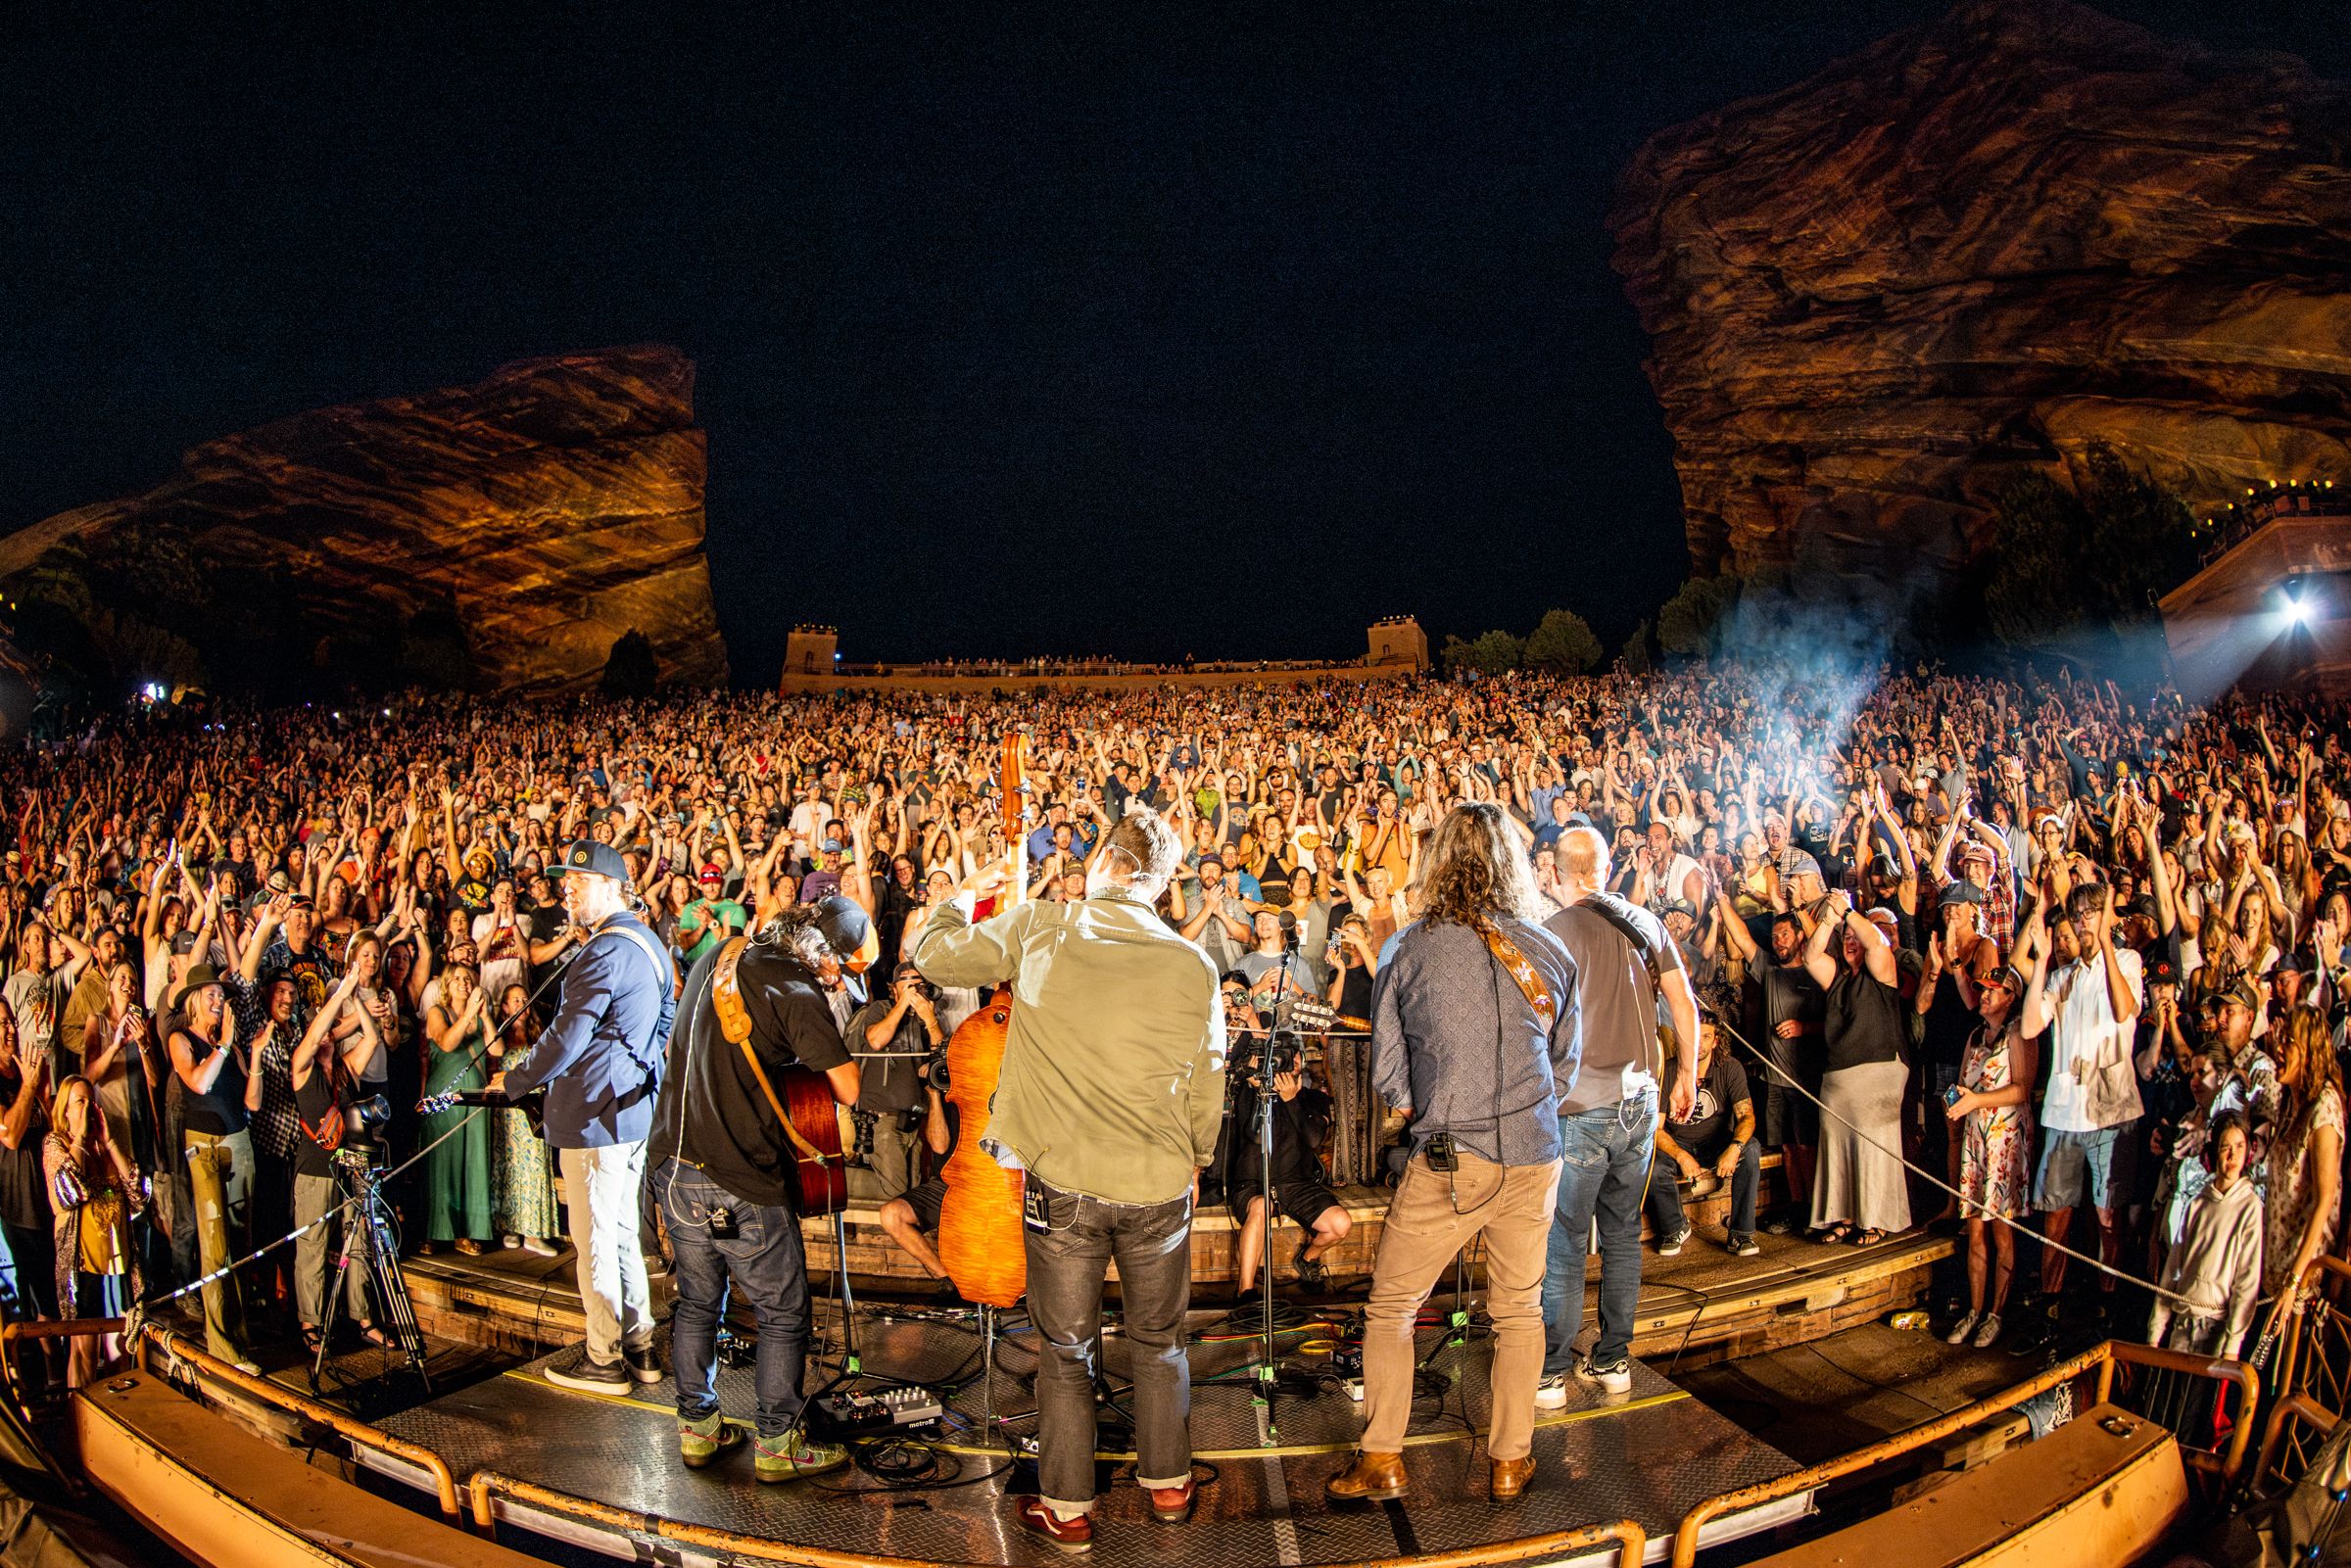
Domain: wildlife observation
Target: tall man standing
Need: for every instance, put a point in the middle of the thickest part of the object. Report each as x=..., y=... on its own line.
x=1608, y=1117
x=1112, y=1093
x=600, y=1060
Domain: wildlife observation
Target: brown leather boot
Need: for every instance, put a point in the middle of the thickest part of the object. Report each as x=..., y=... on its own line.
x=1372, y=1478
x=1509, y=1477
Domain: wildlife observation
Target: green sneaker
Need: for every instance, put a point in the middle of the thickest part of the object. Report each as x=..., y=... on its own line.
x=700, y=1441
x=792, y=1455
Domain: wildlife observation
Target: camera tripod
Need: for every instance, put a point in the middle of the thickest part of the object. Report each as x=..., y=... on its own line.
x=369, y=1243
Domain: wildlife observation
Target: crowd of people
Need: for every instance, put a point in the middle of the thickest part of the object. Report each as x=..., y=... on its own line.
x=2076, y=950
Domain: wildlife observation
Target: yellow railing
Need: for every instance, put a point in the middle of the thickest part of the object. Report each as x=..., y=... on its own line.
x=2099, y=1360
x=1630, y=1540
x=344, y=1425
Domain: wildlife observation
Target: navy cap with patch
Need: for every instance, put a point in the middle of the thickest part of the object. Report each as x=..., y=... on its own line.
x=588, y=858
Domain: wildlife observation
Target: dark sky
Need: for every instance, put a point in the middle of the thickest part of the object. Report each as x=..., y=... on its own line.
x=1015, y=335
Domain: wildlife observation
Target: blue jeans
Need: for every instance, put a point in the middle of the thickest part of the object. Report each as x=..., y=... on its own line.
x=1665, y=1214
x=1603, y=1168
x=763, y=1260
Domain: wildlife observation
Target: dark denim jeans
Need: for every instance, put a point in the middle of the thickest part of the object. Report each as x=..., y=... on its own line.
x=1153, y=1246
x=1665, y=1194
x=1603, y=1163
x=764, y=1261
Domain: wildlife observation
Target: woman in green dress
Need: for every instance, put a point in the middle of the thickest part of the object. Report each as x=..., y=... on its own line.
x=457, y=1171
x=523, y=1174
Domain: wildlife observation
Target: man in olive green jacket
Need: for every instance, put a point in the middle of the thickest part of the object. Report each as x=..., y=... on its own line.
x=1112, y=1090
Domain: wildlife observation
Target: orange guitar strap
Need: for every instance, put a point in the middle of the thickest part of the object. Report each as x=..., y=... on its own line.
x=1529, y=981
x=735, y=1023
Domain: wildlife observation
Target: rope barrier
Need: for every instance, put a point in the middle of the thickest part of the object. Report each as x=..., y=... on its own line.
x=1932, y=1179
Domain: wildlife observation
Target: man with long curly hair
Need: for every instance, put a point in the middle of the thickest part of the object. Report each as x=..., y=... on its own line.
x=1474, y=1035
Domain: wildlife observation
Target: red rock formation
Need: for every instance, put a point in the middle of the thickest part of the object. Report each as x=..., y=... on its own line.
x=549, y=510
x=1983, y=244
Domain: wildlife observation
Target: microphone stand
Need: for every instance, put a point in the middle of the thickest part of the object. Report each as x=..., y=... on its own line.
x=1265, y=1097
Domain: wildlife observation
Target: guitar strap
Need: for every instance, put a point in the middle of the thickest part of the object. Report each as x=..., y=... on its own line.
x=735, y=1023
x=1599, y=905
x=1522, y=974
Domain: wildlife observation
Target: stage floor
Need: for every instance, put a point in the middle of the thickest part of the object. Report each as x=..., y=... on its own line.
x=1648, y=1456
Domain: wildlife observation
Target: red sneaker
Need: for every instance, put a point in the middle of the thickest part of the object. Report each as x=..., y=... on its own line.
x=1174, y=1504
x=1069, y=1535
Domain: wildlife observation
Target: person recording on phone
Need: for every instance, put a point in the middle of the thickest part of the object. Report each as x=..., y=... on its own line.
x=894, y=1035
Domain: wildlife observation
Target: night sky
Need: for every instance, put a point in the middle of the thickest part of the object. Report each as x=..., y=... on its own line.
x=1015, y=335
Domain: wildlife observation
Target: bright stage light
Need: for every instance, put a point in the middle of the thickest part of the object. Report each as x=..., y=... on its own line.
x=2297, y=613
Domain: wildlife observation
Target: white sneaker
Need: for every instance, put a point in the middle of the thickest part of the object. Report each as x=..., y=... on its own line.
x=1616, y=1379
x=1989, y=1334
x=1671, y=1246
x=1551, y=1393
x=1963, y=1328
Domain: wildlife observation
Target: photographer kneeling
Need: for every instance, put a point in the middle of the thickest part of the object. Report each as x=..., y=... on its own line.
x=909, y=1217
x=1301, y=1121
x=894, y=1037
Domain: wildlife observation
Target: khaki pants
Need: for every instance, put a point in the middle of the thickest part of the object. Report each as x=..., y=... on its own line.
x=1433, y=1218
x=219, y=1169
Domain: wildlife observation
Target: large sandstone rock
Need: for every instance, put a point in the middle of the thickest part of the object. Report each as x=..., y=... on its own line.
x=541, y=513
x=1980, y=245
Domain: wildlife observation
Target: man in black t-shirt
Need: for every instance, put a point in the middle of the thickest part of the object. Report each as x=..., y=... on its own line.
x=717, y=1162
x=1717, y=1138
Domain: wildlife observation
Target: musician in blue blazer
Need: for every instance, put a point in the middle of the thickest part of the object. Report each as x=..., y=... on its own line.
x=599, y=1060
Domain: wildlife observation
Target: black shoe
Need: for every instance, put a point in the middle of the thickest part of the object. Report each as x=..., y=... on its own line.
x=577, y=1370
x=1312, y=1276
x=1779, y=1225
x=645, y=1366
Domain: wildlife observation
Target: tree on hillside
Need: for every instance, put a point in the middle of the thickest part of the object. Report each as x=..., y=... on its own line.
x=1691, y=623
x=1562, y=644
x=2064, y=561
x=1492, y=655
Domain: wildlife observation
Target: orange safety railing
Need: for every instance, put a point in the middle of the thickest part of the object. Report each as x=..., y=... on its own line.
x=2310, y=1334
x=2100, y=1360
x=71, y=1328
x=2224, y=1467
x=2298, y=1424
x=1630, y=1540
x=344, y=1425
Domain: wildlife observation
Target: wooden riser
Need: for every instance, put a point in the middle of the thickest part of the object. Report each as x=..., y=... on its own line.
x=1695, y=1309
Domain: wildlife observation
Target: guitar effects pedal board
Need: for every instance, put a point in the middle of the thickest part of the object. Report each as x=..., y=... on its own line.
x=858, y=1411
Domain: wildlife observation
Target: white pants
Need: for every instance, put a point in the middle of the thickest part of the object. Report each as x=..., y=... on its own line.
x=599, y=1191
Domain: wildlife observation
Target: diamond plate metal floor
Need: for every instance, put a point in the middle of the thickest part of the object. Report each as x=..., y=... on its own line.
x=1648, y=1456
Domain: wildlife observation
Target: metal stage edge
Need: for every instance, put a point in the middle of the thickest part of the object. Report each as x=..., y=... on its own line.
x=1648, y=1456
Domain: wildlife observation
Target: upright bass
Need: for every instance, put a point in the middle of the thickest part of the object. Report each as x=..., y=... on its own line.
x=979, y=1218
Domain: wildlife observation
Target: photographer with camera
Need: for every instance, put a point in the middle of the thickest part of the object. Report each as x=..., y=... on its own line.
x=894, y=1037
x=910, y=1216
x=1301, y=1121
x=325, y=1096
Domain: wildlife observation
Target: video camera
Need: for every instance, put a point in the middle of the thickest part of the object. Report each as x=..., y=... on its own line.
x=363, y=1146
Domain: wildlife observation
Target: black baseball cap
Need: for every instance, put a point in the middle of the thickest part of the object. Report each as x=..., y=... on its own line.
x=848, y=930
x=589, y=858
